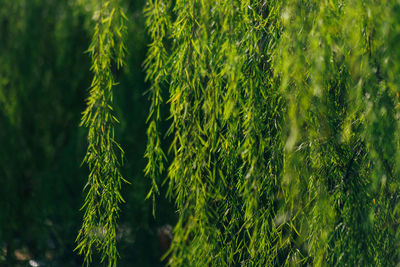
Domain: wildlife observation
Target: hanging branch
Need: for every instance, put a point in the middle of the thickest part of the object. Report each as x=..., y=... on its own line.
x=157, y=22
x=104, y=155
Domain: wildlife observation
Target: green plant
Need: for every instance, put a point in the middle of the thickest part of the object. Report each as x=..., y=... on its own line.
x=226, y=123
x=284, y=121
x=104, y=155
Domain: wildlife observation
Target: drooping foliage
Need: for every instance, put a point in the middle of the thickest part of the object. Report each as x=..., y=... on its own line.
x=343, y=141
x=226, y=127
x=283, y=140
x=44, y=81
x=284, y=127
x=104, y=155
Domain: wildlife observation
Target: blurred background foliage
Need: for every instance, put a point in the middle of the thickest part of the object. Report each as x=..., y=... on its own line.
x=44, y=79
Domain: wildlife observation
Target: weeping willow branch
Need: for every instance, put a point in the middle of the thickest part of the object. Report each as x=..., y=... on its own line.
x=104, y=155
x=157, y=23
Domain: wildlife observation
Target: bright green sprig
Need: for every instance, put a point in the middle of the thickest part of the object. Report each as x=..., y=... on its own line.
x=158, y=23
x=104, y=155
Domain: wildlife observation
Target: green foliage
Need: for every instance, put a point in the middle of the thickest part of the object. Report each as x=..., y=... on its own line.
x=342, y=144
x=225, y=128
x=41, y=81
x=284, y=126
x=104, y=184
x=281, y=146
x=157, y=23
x=44, y=74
